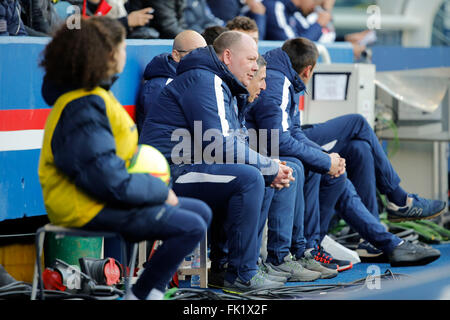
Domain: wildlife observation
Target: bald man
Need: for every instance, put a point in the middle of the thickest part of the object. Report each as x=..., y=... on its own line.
x=197, y=124
x=162, y=69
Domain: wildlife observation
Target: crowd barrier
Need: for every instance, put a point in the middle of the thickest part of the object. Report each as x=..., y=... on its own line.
x=23, y=111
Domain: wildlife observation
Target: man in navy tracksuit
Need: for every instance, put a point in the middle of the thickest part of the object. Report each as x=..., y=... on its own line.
x=287, y=70
x=10, y=22
x=286, y=211
x=285, y=21
x=162, y=69
x=196, y=124
x=158, y=73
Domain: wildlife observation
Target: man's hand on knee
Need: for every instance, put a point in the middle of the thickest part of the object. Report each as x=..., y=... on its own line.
x=284, y=177
x=337, y=165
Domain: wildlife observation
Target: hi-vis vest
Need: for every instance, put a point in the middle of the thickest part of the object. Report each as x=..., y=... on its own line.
x=65, y=203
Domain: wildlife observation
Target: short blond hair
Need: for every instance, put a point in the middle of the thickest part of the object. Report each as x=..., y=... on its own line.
x=226, y=40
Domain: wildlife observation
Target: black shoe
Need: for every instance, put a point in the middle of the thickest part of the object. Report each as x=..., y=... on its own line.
x=410, y=254
x=216, y=279
x=369, y=253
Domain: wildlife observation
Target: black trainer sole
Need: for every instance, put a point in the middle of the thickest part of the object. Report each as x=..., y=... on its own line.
x=298, y=280
x=215, y=286
x=420, y=262
x=245, y=290
x=382, y=258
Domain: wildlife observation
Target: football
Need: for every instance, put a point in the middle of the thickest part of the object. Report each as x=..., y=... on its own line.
x=148, y=159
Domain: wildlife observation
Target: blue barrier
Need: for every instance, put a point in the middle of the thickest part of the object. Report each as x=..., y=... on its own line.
x=23, y=111
x=389, y=58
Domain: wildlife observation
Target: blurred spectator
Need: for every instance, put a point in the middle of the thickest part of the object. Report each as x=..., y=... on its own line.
x=10, y=21
x=313, y=10
x=198, y=16
x=255, y=10
x=211, y=33
x=168, y=15
x=311, y=19
x=39, y=17
x=246, y=25
x=135, y=21
x=118, y=9
x=227, y=10
x=285, y=21
x=312, y=13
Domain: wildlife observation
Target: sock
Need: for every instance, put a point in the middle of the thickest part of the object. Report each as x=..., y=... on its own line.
x=398, y=196
x=155, y=294
x=130, y=296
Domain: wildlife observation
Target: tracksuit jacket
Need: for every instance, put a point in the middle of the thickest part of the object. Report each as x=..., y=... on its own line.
x=159, y=72
x=10, y=22
x=276, y=109
x=183, y=104
x=285, y=21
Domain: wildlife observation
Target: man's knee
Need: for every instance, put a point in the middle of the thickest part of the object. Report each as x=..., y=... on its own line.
x=249, y=177
x=358, y=118
x=204, y=211
x=358, y=150
x=298, y=172
x=196, y=227
x=339, y=182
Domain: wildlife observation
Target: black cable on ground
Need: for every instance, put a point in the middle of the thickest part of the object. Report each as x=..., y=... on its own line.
x=22, y=290
x=287, y=292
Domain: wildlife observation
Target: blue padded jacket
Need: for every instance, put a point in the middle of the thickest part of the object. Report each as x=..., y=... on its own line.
x=158, y=73
x=277, y=109
x=203, y=107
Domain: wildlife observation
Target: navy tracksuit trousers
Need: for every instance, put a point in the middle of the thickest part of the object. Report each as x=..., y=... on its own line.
x=239, y=200
x=286, y=217
x=180, y=227
x=368, y=168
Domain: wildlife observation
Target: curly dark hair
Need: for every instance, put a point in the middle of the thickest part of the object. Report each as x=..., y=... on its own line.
x=242, y=23
x=82, y=57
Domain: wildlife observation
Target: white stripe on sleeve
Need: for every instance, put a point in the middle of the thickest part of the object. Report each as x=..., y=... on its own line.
x=221, y=105
x=284, y=103
x=281, y=20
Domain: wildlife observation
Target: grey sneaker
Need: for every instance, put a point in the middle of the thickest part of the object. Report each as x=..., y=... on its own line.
x=272, y=277
x=271, y=271
x=313, y=265
x=410, y=254
x=259, y=281
x=297, y=271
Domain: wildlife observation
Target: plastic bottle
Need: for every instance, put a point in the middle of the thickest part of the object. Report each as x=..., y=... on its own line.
x=195, y=264
x=195, y=280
